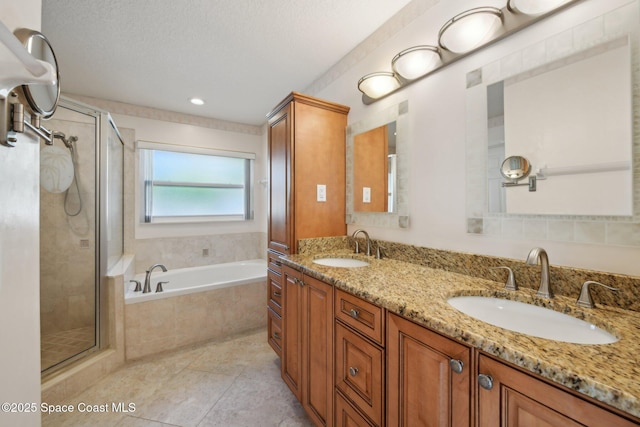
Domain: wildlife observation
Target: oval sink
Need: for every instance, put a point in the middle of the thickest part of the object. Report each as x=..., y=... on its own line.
x=531, y=320
x=341, y=262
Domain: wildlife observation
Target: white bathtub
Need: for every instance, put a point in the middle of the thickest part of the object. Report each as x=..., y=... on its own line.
x=185, y=281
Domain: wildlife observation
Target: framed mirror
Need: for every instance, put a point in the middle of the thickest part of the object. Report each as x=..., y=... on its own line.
x=377, y=169
x=574, y=115
x=42, y=99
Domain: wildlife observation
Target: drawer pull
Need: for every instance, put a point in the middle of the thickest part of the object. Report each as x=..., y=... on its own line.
x=277, y=336
x=354, y=313
x=277, y=263
x=353, y=371
x=277, y=294
x=456, y=365
x=485, y=381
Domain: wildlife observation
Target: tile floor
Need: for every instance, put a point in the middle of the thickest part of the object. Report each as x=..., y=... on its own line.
x=225, y=383
x=59, y=346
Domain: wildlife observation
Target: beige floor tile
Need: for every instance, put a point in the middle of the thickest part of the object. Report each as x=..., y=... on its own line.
x=235, y=382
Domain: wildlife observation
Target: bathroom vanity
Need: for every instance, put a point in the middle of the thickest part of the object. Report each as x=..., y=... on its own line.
x=389, y=350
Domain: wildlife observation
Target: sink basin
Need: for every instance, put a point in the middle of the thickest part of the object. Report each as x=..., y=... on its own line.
x=341, y=262
x=531, y=320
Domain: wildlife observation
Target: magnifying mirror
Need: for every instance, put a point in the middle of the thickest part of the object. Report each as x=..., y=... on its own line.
x=515, y=168
x=41, y=98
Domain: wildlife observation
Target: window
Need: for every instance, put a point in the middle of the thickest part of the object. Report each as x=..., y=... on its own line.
x=182, y=184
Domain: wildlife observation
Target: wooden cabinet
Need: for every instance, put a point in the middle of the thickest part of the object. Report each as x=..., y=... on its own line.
x=307, y=349
x=307, y=148
x=360, y=361
x=512, y=398
x=424, y=386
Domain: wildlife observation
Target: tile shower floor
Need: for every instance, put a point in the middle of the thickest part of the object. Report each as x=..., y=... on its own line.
x=226, y=383
x=59, y=346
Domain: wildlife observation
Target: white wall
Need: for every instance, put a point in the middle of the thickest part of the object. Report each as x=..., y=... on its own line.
x=437, y=129
x=19, y=255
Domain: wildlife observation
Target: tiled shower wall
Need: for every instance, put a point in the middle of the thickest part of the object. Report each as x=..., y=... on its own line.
x=67, y=256
x=195, y=251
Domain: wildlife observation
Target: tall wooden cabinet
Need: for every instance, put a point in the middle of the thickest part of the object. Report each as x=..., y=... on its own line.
x=307, y=148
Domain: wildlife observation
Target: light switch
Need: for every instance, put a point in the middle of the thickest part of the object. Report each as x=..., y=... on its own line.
x=321, y=193
x=366, y=195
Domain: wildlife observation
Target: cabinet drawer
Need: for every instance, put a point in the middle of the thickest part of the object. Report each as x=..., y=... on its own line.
x=361, y=315
x=359, y=372
x=274, y=287
x=273, y=262
x=347, y=415
x=274, y=328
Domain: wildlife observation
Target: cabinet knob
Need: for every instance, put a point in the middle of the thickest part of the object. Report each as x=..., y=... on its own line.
x=353, y=371
x=354, y=313
x=277, y=294
x=456, y=365
x=485, y=381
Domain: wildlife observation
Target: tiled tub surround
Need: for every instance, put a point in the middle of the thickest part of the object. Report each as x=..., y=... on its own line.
x=170, y=323
x=418, y=292
x=196, y=251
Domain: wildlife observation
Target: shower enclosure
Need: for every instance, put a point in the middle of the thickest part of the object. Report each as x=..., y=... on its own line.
x=81, y=230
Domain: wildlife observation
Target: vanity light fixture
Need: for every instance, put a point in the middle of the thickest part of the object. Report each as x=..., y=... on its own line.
x=533, y=7
x=378, y=84
x=196, y=101
x=415, y=62
x=460, y=36
x=470, y=29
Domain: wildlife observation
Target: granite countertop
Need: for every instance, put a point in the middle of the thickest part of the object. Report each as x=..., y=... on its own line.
x=609, y=373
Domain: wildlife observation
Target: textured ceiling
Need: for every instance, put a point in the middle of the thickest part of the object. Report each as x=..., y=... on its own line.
x=241, y=56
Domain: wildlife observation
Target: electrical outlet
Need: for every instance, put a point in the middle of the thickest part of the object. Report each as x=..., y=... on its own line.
x=205, y=252
x=321, y=193
x=366, y=195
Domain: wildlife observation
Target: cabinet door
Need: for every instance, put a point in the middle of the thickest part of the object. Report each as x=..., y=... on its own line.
x=280, y=173
x=359, y=372
x=274, y=329
x=317, y=315
x=517, y=399
x=348, y=416
x=422, y=387
x=292, y=309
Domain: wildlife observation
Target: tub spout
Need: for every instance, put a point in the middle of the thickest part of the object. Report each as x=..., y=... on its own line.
x=147, y=278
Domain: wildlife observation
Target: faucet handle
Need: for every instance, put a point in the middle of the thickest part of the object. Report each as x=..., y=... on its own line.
x=585, y=300
x=510, y=284
x=159, y=286
x=380, y=251
x=138, y=285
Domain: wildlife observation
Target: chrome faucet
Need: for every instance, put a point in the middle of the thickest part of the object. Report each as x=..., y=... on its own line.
x=532, y=259
x=366, y=235
x=147, y=278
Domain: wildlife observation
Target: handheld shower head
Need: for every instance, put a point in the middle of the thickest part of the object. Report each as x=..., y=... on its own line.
x=66, y=141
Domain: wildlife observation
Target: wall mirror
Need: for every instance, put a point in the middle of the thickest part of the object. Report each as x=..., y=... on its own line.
x=377, y=169
x=374, y=169
x=571, y=114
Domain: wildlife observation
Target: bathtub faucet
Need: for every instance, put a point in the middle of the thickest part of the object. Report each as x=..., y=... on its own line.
x=147, y=279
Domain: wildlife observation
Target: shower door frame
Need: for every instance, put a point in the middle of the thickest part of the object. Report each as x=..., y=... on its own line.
x=103, y=122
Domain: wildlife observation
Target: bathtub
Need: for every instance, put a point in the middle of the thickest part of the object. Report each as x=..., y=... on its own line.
x=184, y=281
x=197, y=305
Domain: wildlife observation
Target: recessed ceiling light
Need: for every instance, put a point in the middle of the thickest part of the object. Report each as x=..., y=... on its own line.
x=196, y=101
